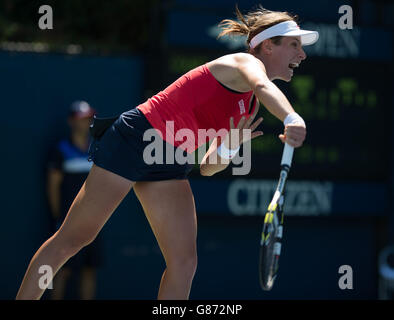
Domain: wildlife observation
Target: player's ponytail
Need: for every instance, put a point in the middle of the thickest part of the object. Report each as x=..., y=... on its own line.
x=232, y=27
x=254, y=22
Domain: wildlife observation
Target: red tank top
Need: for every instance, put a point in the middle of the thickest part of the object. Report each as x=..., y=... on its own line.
x=195, y=101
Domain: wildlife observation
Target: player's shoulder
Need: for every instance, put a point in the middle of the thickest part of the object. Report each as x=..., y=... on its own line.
x=247, y=59
x=239, y=60
x=234, y=58
x=232, y=62
x=244, y=58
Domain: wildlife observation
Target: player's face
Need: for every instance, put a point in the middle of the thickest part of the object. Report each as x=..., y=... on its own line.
x=286, y=57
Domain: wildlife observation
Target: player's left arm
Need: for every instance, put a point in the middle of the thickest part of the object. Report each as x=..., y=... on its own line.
x=212, y=161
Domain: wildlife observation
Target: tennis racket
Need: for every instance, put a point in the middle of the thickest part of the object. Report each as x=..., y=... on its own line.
x=271, y=236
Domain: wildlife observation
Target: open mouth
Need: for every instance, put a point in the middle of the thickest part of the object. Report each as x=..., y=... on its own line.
x=292, y=66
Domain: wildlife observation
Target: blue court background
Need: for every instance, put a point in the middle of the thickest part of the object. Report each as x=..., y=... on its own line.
x=36, y=90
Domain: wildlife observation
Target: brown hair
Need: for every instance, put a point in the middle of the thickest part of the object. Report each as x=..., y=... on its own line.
x=254, y=22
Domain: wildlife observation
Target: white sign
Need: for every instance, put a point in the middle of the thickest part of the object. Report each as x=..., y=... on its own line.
x=303, y=198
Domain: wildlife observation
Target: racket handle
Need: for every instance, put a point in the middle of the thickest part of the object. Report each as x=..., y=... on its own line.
x=287, y=155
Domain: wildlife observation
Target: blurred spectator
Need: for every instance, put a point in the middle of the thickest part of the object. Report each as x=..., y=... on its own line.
x=68, y=168
x=386, y=273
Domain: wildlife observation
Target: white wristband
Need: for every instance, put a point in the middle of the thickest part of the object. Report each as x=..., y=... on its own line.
x=293, y=118
x=225, y=153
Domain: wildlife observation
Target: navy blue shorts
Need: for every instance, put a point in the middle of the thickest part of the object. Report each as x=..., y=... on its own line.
x=118, y=146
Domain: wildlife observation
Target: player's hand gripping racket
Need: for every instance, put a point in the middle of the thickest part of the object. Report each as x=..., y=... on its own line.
x=271, y=236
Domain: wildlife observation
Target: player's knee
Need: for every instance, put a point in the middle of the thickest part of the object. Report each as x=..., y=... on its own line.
x=80, y=241
x=184, y=266
x=74, y=241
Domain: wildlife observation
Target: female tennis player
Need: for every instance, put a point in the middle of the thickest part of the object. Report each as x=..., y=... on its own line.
x=218, y=94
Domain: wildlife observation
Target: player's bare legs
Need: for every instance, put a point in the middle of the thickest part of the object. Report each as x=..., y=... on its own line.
x=170, y=210
x=99, y=196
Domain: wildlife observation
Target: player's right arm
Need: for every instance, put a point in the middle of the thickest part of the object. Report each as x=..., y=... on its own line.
x=253, y=72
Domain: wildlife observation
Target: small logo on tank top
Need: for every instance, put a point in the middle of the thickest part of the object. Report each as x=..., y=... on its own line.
x=241, y=106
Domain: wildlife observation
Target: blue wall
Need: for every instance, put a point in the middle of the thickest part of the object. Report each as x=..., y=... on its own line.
x=36, y=90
